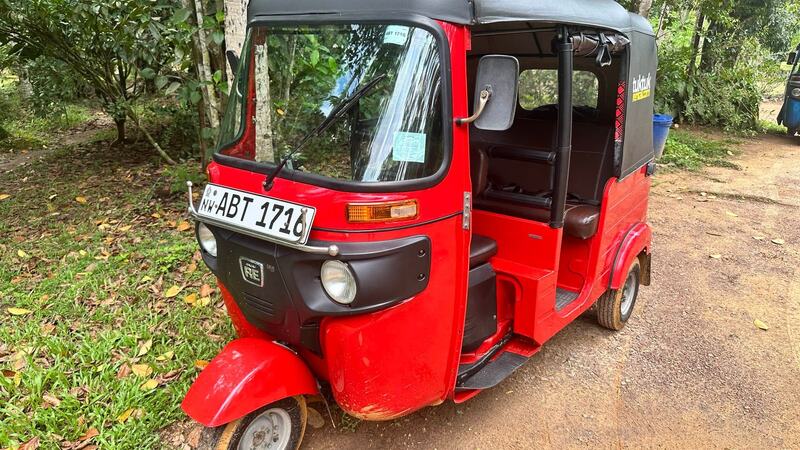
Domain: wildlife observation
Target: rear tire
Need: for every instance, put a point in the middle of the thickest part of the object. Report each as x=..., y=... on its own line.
x=615, y=307
x=277, y=426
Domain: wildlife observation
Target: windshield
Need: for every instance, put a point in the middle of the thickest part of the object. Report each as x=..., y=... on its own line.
x=378, y=86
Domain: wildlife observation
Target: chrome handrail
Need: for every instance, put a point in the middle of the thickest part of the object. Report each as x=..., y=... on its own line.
x=331, y=250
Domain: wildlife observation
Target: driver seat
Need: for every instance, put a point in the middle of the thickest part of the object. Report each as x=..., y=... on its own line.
x=580, y=220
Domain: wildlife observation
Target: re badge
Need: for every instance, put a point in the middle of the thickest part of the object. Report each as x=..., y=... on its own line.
x=252, y=271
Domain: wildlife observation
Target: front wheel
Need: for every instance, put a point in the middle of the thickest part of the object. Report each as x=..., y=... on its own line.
x=614, y=308
x=277, y=426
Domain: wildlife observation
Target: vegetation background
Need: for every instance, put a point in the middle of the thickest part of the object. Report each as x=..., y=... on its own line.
x=106, y=314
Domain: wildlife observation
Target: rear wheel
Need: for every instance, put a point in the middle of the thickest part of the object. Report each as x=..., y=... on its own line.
x=615, y=307
x=277, y=426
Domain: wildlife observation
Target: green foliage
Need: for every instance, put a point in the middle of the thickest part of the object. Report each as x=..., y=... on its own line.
x=721, y=81
x=21, y=128
x=539, y=87
x=53, y=85
x=690, y=151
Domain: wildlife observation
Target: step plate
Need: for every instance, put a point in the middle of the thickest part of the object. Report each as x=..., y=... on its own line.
x=494, y=372
x=564, y=298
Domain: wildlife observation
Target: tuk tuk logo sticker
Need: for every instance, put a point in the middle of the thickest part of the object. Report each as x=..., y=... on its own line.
x=409, y=147
x=395, y=35
x=641, y=87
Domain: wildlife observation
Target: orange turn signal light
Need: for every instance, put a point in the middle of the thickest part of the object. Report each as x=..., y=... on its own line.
x=382, y=212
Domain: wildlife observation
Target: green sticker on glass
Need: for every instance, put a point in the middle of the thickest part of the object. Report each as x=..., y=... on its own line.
x=409, y=147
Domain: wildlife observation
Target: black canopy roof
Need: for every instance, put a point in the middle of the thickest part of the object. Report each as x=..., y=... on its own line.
x=606, y=14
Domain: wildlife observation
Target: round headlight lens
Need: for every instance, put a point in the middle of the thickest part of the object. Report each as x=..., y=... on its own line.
x=796, y=92
x=338, y=281
x=207, y=240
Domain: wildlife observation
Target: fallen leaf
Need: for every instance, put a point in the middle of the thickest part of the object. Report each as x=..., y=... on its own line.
x=166, y=356
x=146, y=278
x=203, y=301
x=761, y=325
x=4, y=196
x=149, y=385
x=200, y=364
x=315, y=418
x=778, y=241
x=124, y=371
x=193, y=438
x=92, y=432
x=125, y=228
x=190, y=299
x=125, y=415
x=21, y=253
x=81, y=200
x=32, y=444
x=8, y=373
x=155, y=215
x=715, y=256
x=206, y=290
x=18, y=311
x=141, y=370
x=51, y=399
x=173, y=291
x=183, y=226
x=145, y=347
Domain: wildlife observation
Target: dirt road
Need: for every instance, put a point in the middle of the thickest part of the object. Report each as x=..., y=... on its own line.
x=690, y=369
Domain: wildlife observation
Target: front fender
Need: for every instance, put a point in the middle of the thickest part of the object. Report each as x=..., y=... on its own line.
x=636, y=240
x=247, y=374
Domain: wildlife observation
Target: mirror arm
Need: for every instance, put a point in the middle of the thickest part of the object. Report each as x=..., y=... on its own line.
x=486, y=93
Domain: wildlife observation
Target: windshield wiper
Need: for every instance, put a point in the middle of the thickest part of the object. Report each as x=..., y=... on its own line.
x=337, y=112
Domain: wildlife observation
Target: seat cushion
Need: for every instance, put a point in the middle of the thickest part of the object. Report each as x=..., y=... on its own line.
x=580, y=221
x=481, y=249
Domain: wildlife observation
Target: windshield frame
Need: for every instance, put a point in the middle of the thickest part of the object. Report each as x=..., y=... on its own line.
x=443, y=49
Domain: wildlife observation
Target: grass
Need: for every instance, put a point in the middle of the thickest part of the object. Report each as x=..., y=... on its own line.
x=688, y=150
x=89, y=246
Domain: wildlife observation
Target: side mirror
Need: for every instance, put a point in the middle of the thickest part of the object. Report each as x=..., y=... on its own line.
x=496, y=90
x=233, y=60
x=792, y=58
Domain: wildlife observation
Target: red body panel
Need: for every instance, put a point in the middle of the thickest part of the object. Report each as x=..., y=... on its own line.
x=249, y=373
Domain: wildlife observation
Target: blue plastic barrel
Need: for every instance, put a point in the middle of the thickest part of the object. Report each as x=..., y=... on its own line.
x=661, y=125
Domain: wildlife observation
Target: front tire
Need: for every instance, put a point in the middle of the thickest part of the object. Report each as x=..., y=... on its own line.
x=277, y=426
x=615, y=307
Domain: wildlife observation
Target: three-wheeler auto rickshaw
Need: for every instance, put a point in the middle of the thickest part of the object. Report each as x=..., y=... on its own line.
x=790, y=112
x=410, y=198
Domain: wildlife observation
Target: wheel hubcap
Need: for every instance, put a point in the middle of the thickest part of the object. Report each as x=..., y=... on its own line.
x=628, y=294
x=271, y=430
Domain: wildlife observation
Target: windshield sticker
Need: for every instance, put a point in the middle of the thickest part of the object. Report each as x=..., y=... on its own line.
x=395, y=35
x=409, y=147
x=641, y=87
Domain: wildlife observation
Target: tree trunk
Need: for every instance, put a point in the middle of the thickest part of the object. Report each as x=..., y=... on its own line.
x=696, y=39
x=235, y=24
x=264, y=145
x=209, y=93
x=644, y=8
x=120, y=123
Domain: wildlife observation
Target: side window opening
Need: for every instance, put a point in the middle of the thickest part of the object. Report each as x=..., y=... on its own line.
x=539, y=87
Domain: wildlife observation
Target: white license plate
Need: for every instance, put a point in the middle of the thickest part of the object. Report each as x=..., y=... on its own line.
x=263, y=215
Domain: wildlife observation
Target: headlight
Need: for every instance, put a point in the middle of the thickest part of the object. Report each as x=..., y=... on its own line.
x=207, y=240
x=796, y=92
x=338, y=281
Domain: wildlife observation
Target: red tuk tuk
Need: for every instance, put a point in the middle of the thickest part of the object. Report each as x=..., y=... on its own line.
x=375, y=232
